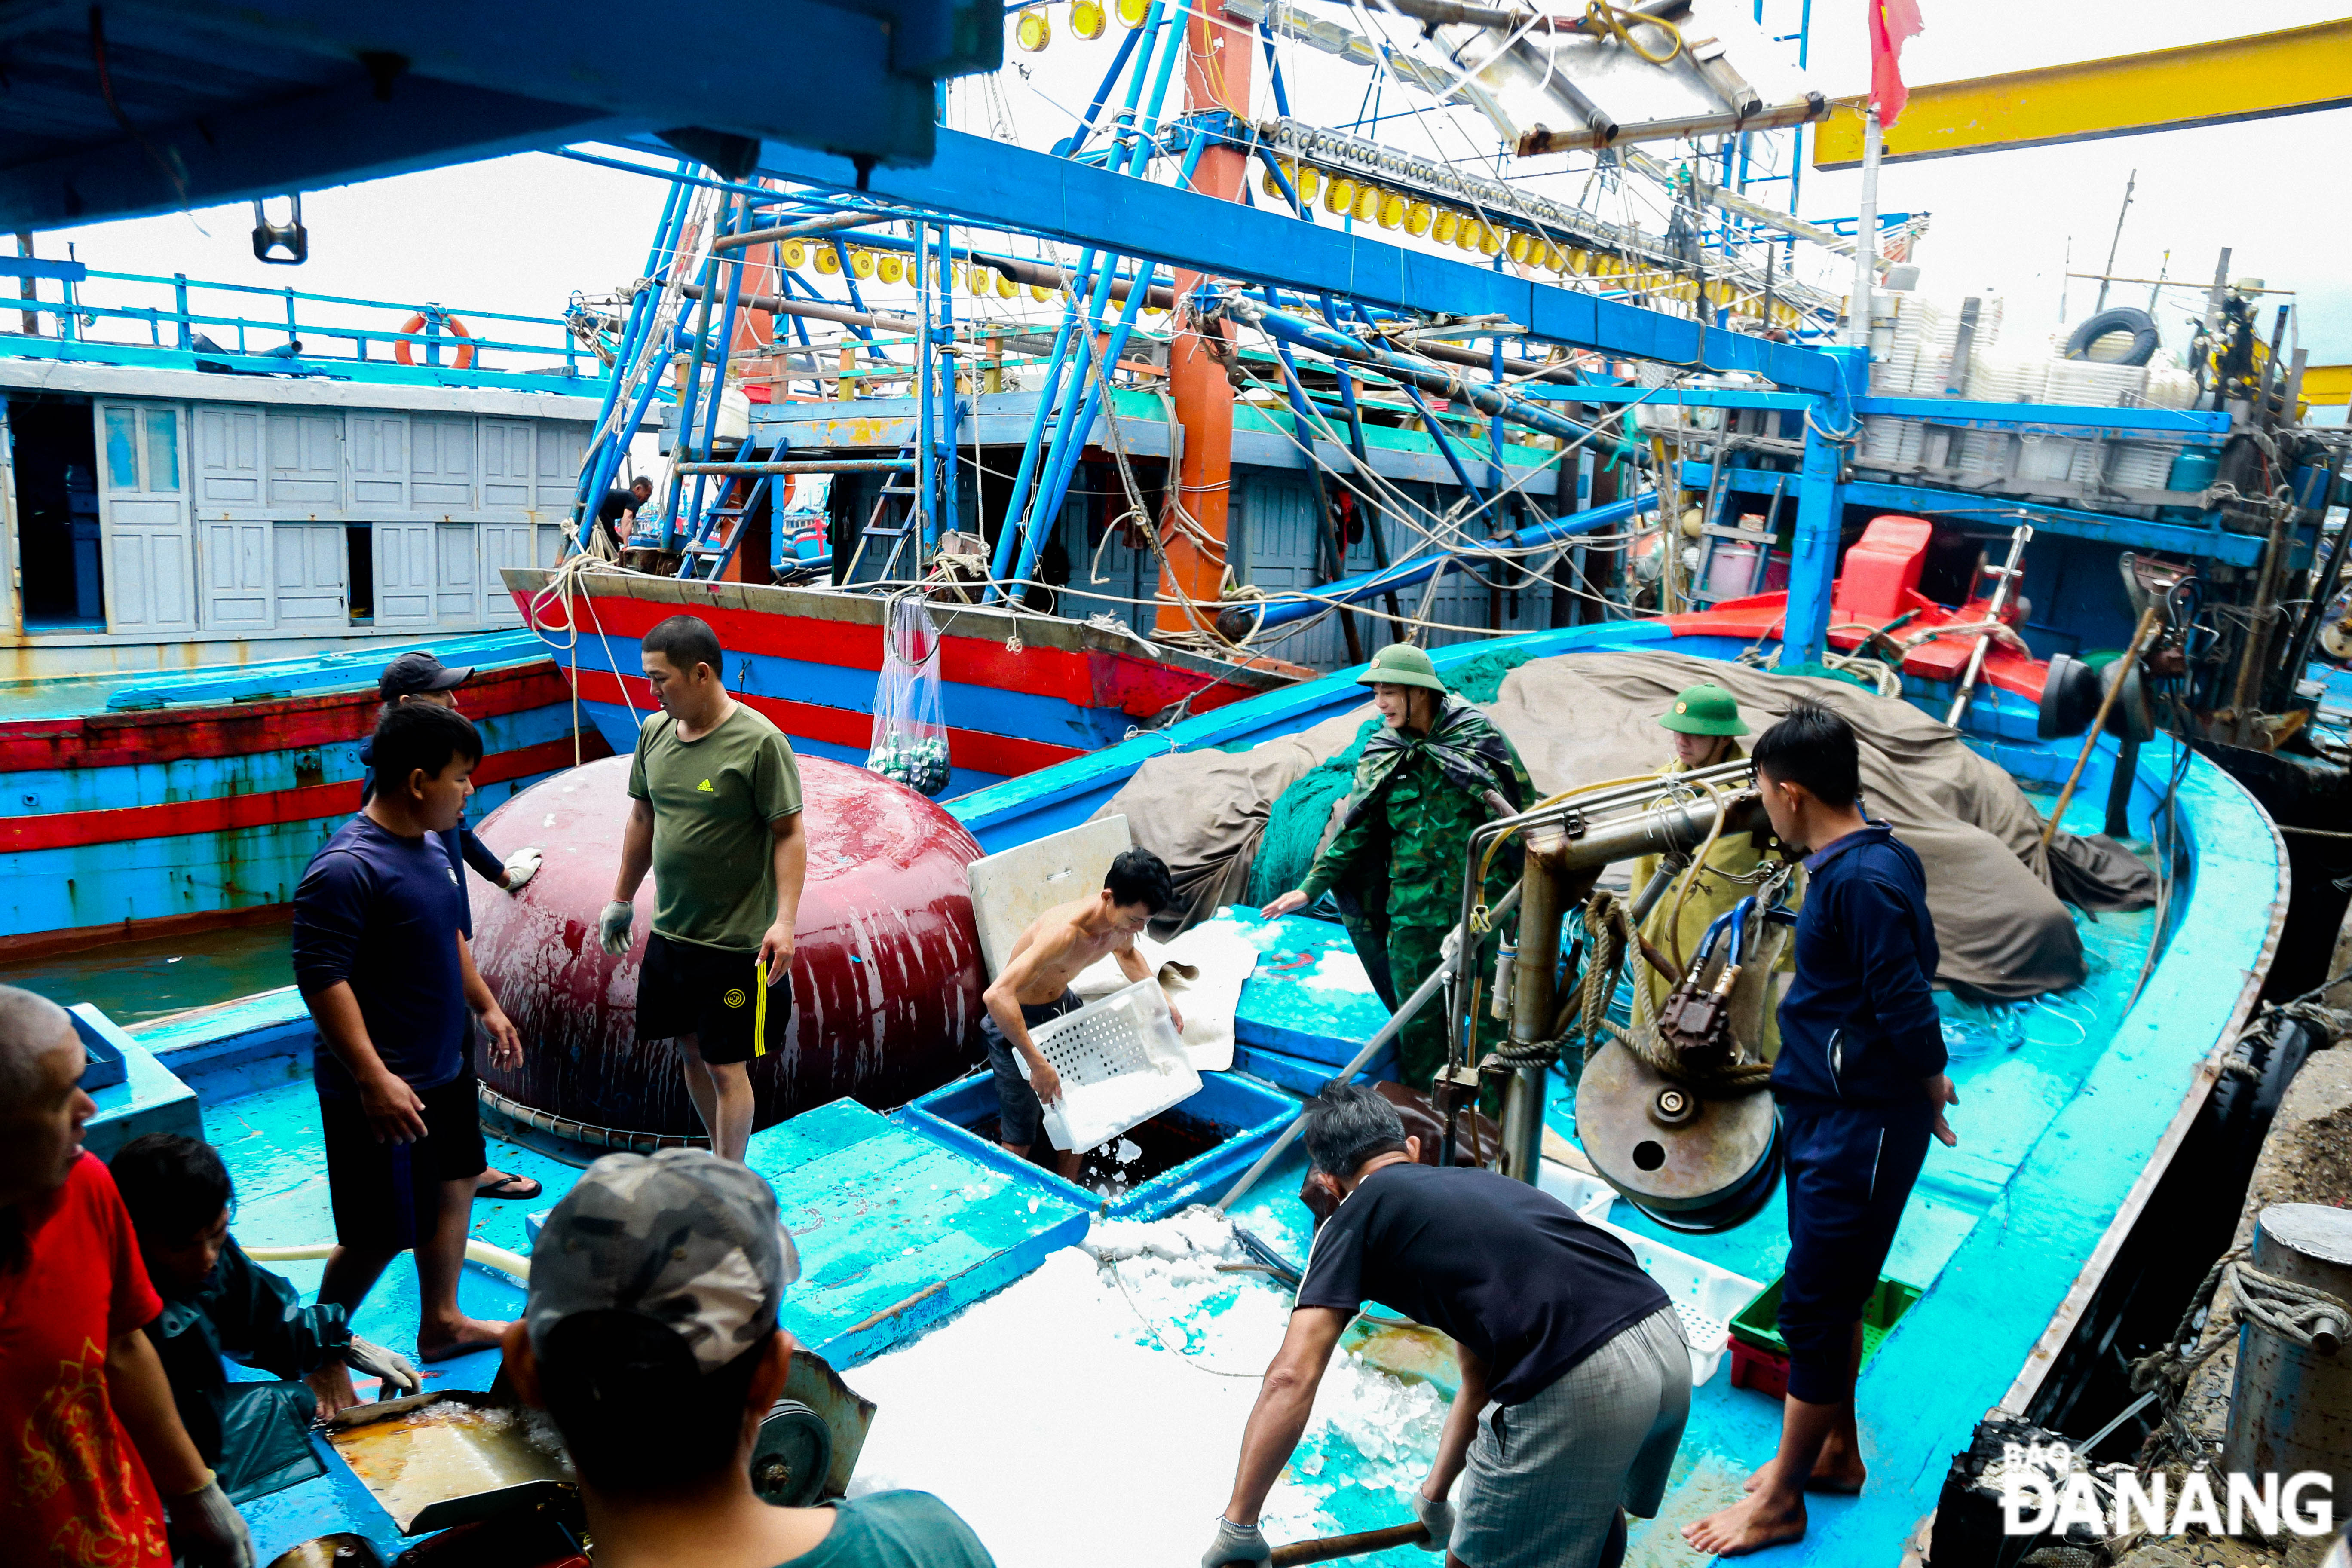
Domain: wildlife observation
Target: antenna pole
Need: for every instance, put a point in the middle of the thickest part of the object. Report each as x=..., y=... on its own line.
x=2114, y=243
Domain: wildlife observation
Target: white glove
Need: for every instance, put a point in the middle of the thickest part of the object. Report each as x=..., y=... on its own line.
x=1235, y=1543
x=522, y=866
x=206, y=1531
x=395, y=1369
x=613, y=927
x=1436, y=1516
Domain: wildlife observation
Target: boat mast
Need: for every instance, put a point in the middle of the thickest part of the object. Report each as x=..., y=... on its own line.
x=1216, y=84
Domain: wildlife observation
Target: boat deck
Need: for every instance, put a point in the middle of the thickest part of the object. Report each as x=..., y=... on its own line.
x=886, y=1211
x=1122, y=1369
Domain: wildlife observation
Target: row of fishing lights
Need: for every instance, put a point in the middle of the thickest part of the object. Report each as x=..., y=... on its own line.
x=890, y=268
x=1035, y=30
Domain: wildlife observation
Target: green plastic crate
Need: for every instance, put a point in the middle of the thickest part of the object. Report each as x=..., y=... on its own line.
x=1758, y=1322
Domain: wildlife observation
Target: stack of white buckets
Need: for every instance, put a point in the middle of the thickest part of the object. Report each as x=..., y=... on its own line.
x=1911, y=356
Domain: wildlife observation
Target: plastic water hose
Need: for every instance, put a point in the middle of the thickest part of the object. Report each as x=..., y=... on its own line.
x=513, y=1265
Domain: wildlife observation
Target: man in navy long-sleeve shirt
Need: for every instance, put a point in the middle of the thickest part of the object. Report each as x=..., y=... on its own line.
x=1860, y=1082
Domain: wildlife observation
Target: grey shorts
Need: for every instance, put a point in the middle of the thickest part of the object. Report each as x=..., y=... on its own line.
x=1546, y=1476
x=1018, y=1110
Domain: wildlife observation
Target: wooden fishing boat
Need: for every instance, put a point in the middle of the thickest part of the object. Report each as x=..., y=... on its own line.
x=1019, y=691
x=148, y=806
x=2010, y=1239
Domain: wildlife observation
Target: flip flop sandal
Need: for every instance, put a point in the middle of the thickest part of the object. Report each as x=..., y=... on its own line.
x=519, y=1188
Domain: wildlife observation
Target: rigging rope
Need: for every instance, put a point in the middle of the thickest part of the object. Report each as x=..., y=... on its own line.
x=2286, y=1307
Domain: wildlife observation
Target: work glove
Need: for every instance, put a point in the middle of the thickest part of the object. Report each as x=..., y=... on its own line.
x=395, y=1369
x=1235, y=1543
x=613, y=927
x=522, y=866
x=206, y=1531
x=1436, y=1516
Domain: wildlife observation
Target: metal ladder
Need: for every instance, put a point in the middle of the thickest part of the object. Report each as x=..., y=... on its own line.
x=715, y=542
x=898, y=484
x=1713, y=535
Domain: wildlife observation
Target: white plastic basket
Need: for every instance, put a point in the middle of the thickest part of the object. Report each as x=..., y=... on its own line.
x=1121, y=1063
x=1704, y=1295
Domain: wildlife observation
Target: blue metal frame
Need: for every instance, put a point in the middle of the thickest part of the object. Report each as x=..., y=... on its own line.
x=990, y=183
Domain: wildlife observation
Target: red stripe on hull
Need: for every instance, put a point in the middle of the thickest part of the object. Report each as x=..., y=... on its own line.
x=73, y=829
x=1133, y=685
x=974, y=749
x=244, y=728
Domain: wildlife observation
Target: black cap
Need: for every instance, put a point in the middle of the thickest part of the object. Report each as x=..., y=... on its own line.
x=419, y=671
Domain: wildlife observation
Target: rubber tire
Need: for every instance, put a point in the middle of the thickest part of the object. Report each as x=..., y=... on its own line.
x=2130, y=319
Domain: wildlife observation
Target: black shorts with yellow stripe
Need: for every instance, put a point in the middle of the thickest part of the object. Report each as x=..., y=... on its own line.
x=711, y=993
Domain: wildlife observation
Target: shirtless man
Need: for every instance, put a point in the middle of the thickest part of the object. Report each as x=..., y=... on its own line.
x=1035, y=987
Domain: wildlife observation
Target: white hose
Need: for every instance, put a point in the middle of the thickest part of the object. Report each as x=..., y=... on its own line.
x=513, y=1265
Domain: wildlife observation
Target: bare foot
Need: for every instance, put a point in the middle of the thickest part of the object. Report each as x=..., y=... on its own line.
x=1838, y=1470
x=1750, y=1525
x=439, y=1342
x=330, y=1385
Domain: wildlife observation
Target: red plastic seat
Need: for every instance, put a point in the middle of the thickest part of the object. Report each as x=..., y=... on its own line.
x=1880, y=576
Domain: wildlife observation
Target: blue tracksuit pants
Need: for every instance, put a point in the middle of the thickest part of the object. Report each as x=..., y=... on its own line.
x=1850, y=1170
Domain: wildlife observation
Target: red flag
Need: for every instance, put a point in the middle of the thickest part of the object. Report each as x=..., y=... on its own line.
x=1891, y=22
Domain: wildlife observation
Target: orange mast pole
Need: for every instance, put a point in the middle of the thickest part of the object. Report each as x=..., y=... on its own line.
x=1216, y=76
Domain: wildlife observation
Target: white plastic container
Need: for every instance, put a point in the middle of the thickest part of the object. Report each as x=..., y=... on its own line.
x=1121, y=1063
x=1703, y=1297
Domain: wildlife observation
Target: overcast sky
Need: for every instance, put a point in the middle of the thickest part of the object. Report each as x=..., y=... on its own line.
x=521, y=234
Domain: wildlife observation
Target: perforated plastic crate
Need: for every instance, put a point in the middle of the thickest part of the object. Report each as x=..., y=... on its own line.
x=1704, y=1295
x=1759, y=1356
x=1121, y=1063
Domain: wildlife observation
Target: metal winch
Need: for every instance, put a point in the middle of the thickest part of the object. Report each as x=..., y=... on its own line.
x=1674, y=1115
x=1688, y=1161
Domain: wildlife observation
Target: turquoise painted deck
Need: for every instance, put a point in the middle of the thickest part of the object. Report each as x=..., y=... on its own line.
x=880, y=1213
x=895, y=1229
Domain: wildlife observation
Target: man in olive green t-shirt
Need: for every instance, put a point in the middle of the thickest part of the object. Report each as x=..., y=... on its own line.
x=716, y=815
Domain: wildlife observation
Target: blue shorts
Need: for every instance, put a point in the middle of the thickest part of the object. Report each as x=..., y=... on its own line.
x=1850, y=1168
x=1019, y=1112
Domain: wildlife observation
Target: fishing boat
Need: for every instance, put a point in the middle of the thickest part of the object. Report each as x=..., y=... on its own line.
x=2072, y=1124
x=221, y=527
x=149, y=806
x=1394, y=396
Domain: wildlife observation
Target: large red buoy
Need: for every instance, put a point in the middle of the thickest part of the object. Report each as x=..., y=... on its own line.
x=886, y=971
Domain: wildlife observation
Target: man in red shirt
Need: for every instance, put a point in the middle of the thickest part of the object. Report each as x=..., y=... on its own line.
x=89, y=1435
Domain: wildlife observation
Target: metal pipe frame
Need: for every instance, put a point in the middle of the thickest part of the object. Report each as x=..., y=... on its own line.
x=1066, y=386
x=1264, y=615
x=1010, y=540
x=1333, y=344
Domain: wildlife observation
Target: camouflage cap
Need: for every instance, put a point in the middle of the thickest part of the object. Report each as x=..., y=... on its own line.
x=681, y=1236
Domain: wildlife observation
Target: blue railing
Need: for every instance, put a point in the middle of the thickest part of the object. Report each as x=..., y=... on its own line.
x=302, y=329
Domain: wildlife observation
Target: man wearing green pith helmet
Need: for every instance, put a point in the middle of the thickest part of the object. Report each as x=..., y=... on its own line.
x=1435, y=770
x=1704, y=724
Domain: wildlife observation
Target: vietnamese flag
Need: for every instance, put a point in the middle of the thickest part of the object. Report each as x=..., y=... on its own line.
x=1891, y=22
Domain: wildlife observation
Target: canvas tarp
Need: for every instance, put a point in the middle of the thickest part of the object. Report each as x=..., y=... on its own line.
x=1581, y=717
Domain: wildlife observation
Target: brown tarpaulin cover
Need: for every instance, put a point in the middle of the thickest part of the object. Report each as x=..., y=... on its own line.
x=1582, y=718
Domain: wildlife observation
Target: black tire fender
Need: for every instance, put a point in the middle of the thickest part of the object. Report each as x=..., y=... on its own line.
x=2130, y=319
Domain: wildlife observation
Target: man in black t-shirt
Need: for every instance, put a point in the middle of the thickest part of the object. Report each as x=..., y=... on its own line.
x=1575, y=1376
x=618, y=504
